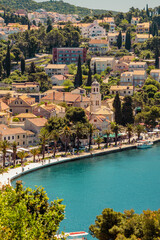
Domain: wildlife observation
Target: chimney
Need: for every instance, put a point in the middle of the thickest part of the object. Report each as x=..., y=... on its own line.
x=63, y=96
x=54, y=96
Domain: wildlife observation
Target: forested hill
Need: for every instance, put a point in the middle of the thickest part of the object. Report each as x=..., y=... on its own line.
x=55, y=6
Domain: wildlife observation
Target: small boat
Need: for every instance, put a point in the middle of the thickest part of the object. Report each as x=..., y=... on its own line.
x=144, y=144
x=73, y=236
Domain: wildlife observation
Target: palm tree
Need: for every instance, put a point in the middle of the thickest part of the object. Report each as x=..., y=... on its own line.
x=66, y=132
x=14, y=147
x=107, y=132
x=98, y=140
x=91, y=129
x=34, y=152
x=139, y=129
x=44, y=137
x=3, y=146
x=115, y=128
x=55, y=137
x=129, y=131
x=22, y=155
x=80, y=130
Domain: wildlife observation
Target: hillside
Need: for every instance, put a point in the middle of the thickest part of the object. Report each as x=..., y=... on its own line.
x=56, y=6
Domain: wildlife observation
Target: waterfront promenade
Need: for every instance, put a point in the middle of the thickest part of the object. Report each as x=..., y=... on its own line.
x=7, y=177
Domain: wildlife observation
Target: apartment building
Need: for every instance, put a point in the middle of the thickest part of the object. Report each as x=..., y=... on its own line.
x=155, y=73
x=99, y=45
x=21, y=104
x=26, y=87
x=112, y=37
x=110, y=21
x=137, y=66
x=143, y=27
x=56, y=69
x=122, y=90
x=13, y=134
x=68, y=55
x=135, y=20
x=102, y=63
x=140, y=38
x=133, y=78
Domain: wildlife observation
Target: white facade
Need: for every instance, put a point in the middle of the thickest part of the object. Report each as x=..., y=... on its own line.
x=95, y=97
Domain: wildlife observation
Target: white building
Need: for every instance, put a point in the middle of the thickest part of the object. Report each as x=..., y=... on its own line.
x=155, y=73
x=102, y=63
x=56, y=69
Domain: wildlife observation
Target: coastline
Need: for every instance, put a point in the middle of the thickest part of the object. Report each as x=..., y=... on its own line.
x=6, y=178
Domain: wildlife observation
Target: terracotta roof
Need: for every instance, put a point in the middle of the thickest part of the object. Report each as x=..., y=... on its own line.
x=4, y=130
x=98, y=41
x=26, y=115
x=65, y=96
x=55, y=66
x=39, y=122
x=3, y=106
x=59, y=77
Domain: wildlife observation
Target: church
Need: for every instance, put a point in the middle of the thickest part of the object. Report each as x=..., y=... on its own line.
x=100, y=116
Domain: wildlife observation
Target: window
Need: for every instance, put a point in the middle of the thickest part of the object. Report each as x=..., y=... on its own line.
x=18, y=143
x=10, y=110
x=8, y=138
x=18, y=136
x=23, y=136
x=12, y=137
x=23, y=143
x=26, y=110
x=4, y=138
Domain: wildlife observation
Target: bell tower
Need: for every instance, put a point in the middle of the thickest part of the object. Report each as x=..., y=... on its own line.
x=95, y=97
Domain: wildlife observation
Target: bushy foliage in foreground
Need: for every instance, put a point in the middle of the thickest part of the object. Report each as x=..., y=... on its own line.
x=27, y=214
x=113, y=225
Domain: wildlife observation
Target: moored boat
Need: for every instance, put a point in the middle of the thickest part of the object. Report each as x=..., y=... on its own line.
x=144, y=144
x=81, y=235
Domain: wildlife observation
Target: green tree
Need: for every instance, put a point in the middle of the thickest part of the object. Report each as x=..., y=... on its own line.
x=22, y=155
x=3, y=146
x=1, y=70
x=98, y=140
x=119, y=40
x=32, y=68
x=66, y=132
x=107, y=132
x=89, y=79
x=129, y=131
x=127, y=111
x=34, y=152
x=44, y=137
x=76, y=114
x=139, y=129
x=117, y=109
x=54, y=135
x=22, y=65
x=78, y=77
x=115, y=129
x=8, y=62
x=91, y=130
x=49, y=28
x=17, y=54
x=28, y=214
x=95, y=70
x=14, y=148
x=157, y=58
x=128, y=40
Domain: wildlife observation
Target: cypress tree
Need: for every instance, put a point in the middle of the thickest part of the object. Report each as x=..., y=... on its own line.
x=147, y=11
x=119, y=40
x=8, y=62
x=95, y=70
x=117, y=109
x=29, y=25
x=128, y=41
x=89, y=80
x=49, y=28
x=22, y=65
x=127, y=111
x=78, y=77
x=1, y=69
x=157, y=57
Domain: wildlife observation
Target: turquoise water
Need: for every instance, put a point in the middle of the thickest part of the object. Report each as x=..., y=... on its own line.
x=124, y=180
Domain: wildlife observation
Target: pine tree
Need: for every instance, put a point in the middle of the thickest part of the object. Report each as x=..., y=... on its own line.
x=78, y=77
x=147, y=11
x=117, y=109
x=127, y=111
x=157, y=58
x=95, y=70
x=1, y=69
x=22, y=65
x=119, y=40
x=89, y=80
x=128, y=41
x=49, y=28
x=8, y=62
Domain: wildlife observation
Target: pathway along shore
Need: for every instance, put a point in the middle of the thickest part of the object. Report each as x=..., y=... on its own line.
x=7, y=177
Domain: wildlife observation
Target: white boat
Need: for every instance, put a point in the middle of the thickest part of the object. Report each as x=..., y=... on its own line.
x=81, y=235
x=144, y=144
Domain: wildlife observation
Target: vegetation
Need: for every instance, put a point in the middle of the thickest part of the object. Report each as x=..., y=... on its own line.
x=27, y=214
